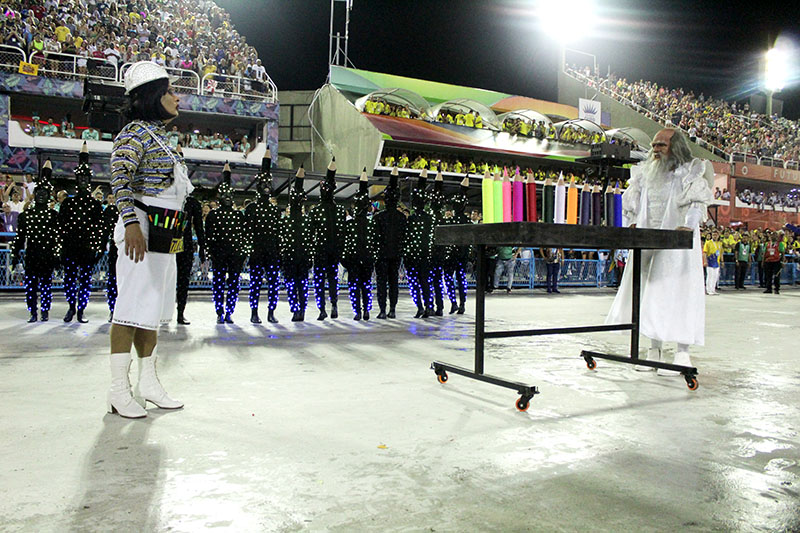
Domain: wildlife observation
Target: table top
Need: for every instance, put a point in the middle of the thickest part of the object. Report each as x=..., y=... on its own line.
x=561, y=235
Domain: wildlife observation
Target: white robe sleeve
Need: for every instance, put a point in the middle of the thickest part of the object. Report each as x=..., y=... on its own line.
x=632, y=194
x=696, y=188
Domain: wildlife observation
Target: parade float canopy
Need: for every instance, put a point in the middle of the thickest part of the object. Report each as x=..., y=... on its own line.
x=397, y=96
x=465, y=105
x=581, y=123
x=630, y=134
x=528, y=115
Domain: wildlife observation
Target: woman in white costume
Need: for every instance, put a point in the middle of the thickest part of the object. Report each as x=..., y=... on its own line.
x=669, y=191
x=149, y=179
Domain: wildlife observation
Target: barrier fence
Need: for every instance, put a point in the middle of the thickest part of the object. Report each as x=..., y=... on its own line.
x=72, y=67
x=528, y=274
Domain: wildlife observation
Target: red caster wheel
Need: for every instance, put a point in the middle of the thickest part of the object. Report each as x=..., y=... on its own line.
x=522, y=404
x=591, y=364
x=692, y=383
x=442, y=377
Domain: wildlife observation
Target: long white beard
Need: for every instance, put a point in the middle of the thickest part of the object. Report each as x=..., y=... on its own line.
x=664, y=163
x=658, y=179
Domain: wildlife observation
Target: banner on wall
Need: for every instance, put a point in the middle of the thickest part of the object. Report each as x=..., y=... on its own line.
x=589, y=110
x=758, y=172
x=28, y=69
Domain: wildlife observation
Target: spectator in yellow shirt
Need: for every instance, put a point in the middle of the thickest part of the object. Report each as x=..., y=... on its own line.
x=61, y=32
x=469, y=119
x=712, y=255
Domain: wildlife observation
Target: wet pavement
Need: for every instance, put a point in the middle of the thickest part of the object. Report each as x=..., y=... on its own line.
x=342, y=426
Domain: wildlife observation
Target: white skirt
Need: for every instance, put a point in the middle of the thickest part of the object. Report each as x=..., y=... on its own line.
x=146, y=290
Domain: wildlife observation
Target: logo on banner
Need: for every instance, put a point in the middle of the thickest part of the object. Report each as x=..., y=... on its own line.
x=589, y=110
x=28, y=68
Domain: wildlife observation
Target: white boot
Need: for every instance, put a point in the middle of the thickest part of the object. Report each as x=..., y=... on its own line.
x=681, y=359
x=149, y=389
x=120, y=400
x=653, y=354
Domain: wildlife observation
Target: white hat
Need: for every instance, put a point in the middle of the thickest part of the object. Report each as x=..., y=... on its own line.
x=143, y=72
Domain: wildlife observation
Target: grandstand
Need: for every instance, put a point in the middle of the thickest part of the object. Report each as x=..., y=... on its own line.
x=751, y=152
x=57, y=64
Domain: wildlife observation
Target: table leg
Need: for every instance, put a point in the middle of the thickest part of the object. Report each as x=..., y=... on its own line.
x=635, y=299
x=480, y=301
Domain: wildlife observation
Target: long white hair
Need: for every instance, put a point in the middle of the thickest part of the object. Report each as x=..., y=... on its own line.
x=679, y=152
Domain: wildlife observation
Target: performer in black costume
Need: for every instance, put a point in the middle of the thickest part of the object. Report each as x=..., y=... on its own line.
x=455, y=273
x=81, y=218
x=418, y=251
x=390, y=233
x=192, y=220
x=110, y=216
x=358, y=256
x=295, y=245
x=327, y=224
x=439, y=255
x=263, y=229
x=38, y=232
x=227, y=246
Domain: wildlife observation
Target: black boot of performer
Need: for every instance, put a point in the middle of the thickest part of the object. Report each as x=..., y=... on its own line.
x=220, y=319
x=81, y=319
x=34, y=317
x=382, y=314
x=45, y=316
x=70, y=314
x=228, y=318
x=182, y=319
x=254, y=318
x=271, y=317
x=334, y=310
x=453, y=308
x=322, y=314
x=391, y=313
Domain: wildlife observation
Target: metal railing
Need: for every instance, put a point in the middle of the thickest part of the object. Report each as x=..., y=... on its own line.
x=529, y=273
x=71, y=67
x=183, y=80
x=10, y=56
x=214, y=84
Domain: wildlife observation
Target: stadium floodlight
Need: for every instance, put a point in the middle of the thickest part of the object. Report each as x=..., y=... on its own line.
x=777, y=69
x=566, y=20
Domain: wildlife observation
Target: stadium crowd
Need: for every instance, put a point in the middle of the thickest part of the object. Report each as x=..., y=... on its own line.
x=761, y=199
x=729, y=126
x=515, y=125
x=194, y=35
x=193, y=138
x=437, y=161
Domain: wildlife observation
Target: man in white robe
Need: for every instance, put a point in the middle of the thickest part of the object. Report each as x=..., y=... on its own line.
x=670, y=190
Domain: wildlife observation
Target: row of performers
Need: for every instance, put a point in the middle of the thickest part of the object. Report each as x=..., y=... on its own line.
x=319, y=240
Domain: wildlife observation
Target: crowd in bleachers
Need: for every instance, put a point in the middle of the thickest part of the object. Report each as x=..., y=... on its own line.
x=771, y=200
x=729, y=126
x=193, y=138
x=379, y=106
x=470, y=119
x=194, y=35
x=451, y=163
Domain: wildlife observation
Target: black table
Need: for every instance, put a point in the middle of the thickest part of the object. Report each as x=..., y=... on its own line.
x=557, y=236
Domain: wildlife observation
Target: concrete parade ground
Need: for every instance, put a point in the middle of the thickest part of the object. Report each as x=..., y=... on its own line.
x=342, y=426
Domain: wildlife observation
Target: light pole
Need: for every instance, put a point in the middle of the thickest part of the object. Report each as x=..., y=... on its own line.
x=776, y=74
